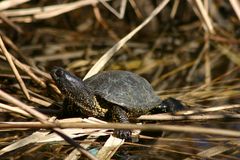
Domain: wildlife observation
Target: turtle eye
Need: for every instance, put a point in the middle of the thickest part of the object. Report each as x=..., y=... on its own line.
x=59, y=73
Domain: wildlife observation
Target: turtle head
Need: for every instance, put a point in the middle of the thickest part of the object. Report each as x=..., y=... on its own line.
x=66, y=82
x=74, y=89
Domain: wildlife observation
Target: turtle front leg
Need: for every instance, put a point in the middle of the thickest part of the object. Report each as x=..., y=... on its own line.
x=69, y=110
x=120, y=115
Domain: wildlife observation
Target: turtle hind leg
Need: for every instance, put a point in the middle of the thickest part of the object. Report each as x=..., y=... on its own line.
x=120, y=115
x=172, y=105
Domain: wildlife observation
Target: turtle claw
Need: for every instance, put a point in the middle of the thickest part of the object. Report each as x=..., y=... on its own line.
x=123, y=134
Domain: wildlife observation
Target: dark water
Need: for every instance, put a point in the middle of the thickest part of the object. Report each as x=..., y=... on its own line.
x=169, y=145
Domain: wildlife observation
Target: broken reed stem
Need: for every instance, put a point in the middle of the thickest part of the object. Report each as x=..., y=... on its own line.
x=149, y=127
x=210, y=109
x=168, y=117
x=14, y=69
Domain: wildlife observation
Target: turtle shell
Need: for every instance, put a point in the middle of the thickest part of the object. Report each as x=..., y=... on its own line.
x=125, y=89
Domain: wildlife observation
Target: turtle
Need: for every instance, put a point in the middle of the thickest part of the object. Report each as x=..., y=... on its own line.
x=116, y=94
